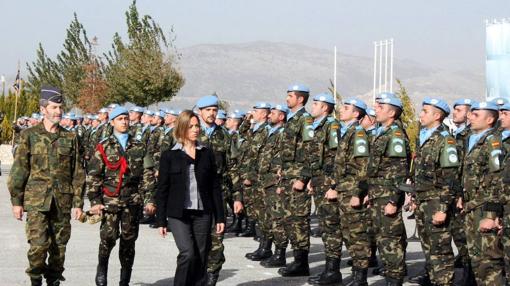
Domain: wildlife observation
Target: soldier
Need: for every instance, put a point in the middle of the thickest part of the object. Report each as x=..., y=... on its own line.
x=119, y=183
x=46, y=181
x=252, y=190
x=295, y=153
x=217, y=139
x=326, y=129
x=504, y=118
x=135, y=124
x=388, y=167
x=436, y=167
x=221, y=118
x=166, y=141
x=461, y=109
x=481, y=176
x=19, y=125
x=274, y=203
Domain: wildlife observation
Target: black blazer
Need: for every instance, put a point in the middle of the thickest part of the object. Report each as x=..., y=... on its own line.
x=171, y=189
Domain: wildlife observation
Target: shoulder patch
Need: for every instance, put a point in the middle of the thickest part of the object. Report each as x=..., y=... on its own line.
x=331, y=119
x=445, y=133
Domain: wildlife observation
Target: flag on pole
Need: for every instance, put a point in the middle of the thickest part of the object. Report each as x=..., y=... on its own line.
x=17, y=82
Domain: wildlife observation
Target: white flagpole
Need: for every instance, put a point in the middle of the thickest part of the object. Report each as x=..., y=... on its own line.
x=18, y=91
x=386, y=65
x=375, y=69
x=334, y=78
x=380, y=66
x=391, y=67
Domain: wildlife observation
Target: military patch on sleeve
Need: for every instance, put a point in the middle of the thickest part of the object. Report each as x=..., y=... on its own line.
x=333, y=134
x=397, y=145
x=449, y=156
x=495, y=153
x=307, y=129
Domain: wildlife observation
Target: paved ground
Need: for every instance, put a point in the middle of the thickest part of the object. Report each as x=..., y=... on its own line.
x=155, y=258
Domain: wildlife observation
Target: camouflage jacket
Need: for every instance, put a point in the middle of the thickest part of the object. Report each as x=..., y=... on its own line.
x=154, y=143
x=505, y=197
x=46, y=165
x=482, y=174
x=267, y=167
x=351, y=161
x=102, y=131
x=389, y=162
x=166, y=142
x=436, y=167
x=219, y=142
x=138, y=183
x=254, y=142
x=325, y=139
x=461, y=139
x=296, y=148
x=233, y=162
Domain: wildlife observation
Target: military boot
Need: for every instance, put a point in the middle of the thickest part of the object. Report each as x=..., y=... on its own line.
x=393, y=282
x=250, y=229
x=125, y=276
x=102, y=271
x=359, y=277
x=331, y=274
x=249, y=255
x=212, y=278
x=265, y=252
x=372, y=261
x=299, y=267
x=36, y=281
x=421, y=279
x=277, y=260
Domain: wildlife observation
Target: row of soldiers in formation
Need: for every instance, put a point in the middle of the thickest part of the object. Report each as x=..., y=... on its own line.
x=356, y=168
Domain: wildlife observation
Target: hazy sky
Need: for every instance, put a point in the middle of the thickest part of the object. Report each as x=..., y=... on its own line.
x=446, y=33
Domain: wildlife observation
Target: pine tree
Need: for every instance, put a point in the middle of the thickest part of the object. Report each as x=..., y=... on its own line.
x=409, y=119
x=139, y=71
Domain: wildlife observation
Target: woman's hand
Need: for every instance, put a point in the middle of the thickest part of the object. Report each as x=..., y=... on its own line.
x=220, y=227
x=162, y=231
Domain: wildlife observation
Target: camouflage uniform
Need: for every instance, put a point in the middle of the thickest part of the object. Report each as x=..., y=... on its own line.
x=351, y=163
x=457, y=222
x=46, y=179
x=122, y=195
x=481, y=181
x=166, y=142
x=436, y=168
x=505, y=201
x=388, y=167
x=218, y=140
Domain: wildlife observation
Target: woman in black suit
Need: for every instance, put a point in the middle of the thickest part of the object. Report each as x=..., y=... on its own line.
x=188, y=198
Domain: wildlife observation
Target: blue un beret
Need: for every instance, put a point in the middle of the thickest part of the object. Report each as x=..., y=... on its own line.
x=262, y=105
x=235, y=115
x=298, y=87
x=356, y=102
x=281, y=107
x=206, y=101
x=484, y=105
x=148, y=112
x=119, y=110
x=221, y=115
x=463, y=101
x=391, y=101
x=439, y=103
x=136, y=109
x=324, y=97
x=505, y=106
x=384, y=95
x=370, y=112
x=500, y=100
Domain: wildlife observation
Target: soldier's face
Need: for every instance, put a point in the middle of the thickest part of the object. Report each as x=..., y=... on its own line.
x=429, y=115
x=134, y=116
x=367, y=121
x=460, y=114
x=52, y=112
x=95, y=123
x=209, y=114
x=293, y=99
x=170, y=119
x=348, y=113
x=260, y=115
x=121, y=123
x=480, y=120
x=383, y=113
x=193, y=129
x=504, y=118
x=276, y=116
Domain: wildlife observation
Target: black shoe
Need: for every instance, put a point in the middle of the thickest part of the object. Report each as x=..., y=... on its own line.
x=299, y=267
x=458, y=262
x=277, y=260
x=378, y=271
x=53, y=282
x=330, y=275
x=237, y=225
x=36, y=281
x=148, y=219
x=265, y=252
x=421, y=279
x=359, y=277
x=102, y=271
x=316, y=232
x=250, y=229
x=249, y=255
x=212, y=278
x=125, y=276
x=393, y=282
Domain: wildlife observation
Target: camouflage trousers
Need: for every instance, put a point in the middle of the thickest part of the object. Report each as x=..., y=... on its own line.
x=328, y=213
x=505, y=239
x=216, y=256
x=248, y=201
x=389, y=233
x=297, y=216
x=261, y=213
x=459, y=235
x=276, y=204
x=485, y=251
x=355, y=224
x=436, y=242
x=122, y=223
x=47, y=234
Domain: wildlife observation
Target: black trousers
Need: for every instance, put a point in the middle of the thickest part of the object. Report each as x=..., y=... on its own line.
x=192, y=234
